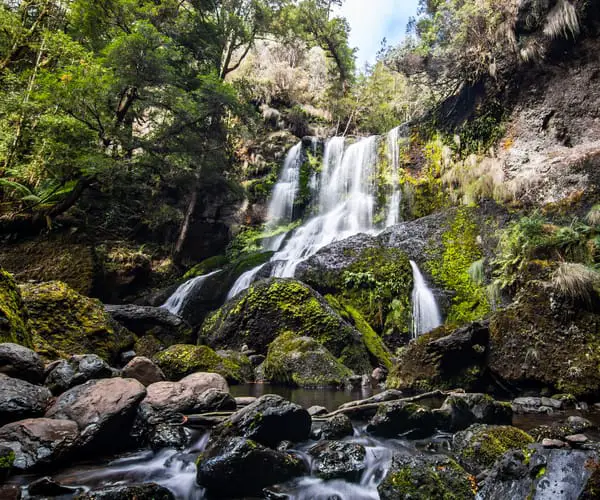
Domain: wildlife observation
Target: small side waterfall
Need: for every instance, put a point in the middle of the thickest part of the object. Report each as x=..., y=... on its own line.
x=244, y=281
x=393, y=152
x=426, y=314
x=281, y=207
x=175, y=302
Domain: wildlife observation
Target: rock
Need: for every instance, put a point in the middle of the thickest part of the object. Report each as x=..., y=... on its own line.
x=20, y=362
x=303, y=362
x=338, y=460
x=102, y=409
x=399, y=418
x=176, y=397
x=540, y=473
x=126, y=357
x=379, y=375
x=180, y=360
x=256, y=359
x=240, y=467
x=242, y=363
x=131, y=492
x=426, y=477
x=336, y=427
x=20, y=399
x=478, y=447
x=459, y=411
x=168, y=328
x=47, y=487
x=7, y=458
x=39, y=441
x=10, y=492
x=65, y=322
x=553, y=443
x=317, y=411
x=537, y=405
x=272, y=307
x=77, y=370
x=579, y=424
x=245, y=400
x=200, y=382
x=576, y=440
x=14, y=325
x=268, y=421
x=143, y=370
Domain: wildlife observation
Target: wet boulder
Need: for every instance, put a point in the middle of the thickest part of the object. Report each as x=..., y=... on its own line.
x=14, y=325
x=239, y=467
x=303, y=362
x=7, y=458
x=423, y=477
x=20, y=399
x=337, y=427
x=102, y=409
x=338, y=460
x=21, y=362
x=65, y=374
x=268, y=421
x=479, y=446
x=39, y=441
x=46, y=487
x=461, y=410
x=130, y=492
x=271, y=307
x=399, y=418
x=143, y=370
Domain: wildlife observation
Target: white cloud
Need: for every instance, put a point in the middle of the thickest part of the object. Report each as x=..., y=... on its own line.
x=373, y=20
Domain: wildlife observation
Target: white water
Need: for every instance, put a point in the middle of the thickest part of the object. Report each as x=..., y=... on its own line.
x=281, y=206
x=175, y=302
x=244, y=281
x=426, y=314
x=393, y=152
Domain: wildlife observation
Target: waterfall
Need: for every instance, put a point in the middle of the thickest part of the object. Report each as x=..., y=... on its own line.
x=393, y=152
x=175, y=302
x=281, y=206
x=244, y=281
x=426, y=314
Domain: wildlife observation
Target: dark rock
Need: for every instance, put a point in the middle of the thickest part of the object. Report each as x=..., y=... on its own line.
x=402, y=419
x=268, y=421
x=143, y=370
x=316, y=411
x=245, y=400
x=256, y=359
x=537, y=405
x=79, y=369
x=39, y=441
x=336, y=427
x=459, y=411
x=426, y=477
x=127, y=356
x=379, y=375
x=20, y=362
x=576, y=440
x=132, y=492
x=579, y=424
x=238, y=467
x=338, y=460
x=102, y=409
x=553, y=443
x=47, y=487
x=20, y=399
x=10, y=492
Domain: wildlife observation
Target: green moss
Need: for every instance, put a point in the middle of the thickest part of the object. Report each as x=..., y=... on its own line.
x=14, y=324
x=206, y=266
x=7, y=459
x=460, y=251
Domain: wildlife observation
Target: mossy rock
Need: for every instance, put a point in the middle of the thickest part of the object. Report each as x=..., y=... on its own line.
x=14, y=324
x=206, y=266
x=63, y=323
x=424, y=477
x=303, y=362
x=478, y=447
x=271, y=307
x=181, y=360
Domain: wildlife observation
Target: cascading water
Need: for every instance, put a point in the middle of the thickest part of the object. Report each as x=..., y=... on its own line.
x=175, y=302
x=281, y=206
x=393, y=151
x=426, y=314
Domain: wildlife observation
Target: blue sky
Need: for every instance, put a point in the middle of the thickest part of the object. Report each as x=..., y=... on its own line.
x=373, y=20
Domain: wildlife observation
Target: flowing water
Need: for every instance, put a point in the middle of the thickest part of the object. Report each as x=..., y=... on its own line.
x=426, y=314
x=176, y=302
x=281, y=206
x=393, y=152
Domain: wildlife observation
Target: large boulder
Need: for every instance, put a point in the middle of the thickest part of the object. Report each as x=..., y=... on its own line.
x=20, y=399
x=39, y=441
x=144, y=370
x=130, y=492
x=14, y=325
x=64, y=322
x=268, y=421
x=401, y=418
x=102, y=409
x=64, y=374
x=180, y=360
x=338, y=460
x=239, y=467
x=423, y=477
x=303, y=362
x=271, y=307
x=168, y=328
x=21, y=362
x=337, y=427
x=460, y=410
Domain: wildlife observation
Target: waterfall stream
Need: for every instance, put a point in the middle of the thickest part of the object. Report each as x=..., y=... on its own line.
x=426, y=314
x=281, y=206
x=393, y=152
x=175, y=302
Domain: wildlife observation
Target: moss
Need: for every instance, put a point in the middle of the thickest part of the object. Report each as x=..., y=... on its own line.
x=206, y=266
x=14, y=324
x=460, y=251
x=181, y=360
x=64, y=322
x=7, y=458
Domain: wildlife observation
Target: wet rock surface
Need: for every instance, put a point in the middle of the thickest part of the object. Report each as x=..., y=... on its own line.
x=133, y=492
x=338, y=460
x=336, y=427
x=144, y=370
x=20, y=399
x=20, y=362
x=65, y=374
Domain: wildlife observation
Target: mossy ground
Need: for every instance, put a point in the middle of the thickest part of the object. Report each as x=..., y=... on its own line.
x=14, y=323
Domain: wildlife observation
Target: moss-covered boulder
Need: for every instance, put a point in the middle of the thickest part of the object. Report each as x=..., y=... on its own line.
x=303, y=362
x=63, y=322
x=423, y=477
x=478, y=447
x=14, y=325
x=544, y=341
x=180, y=360
x=275, y=306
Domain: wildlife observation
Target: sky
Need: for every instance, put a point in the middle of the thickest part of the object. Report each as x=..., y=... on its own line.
x=373, y=20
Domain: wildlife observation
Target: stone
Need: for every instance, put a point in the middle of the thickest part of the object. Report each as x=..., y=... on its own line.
x=176, y=397
x=537, y=405
x=10, y=492
x=14, y=324
x=268, y=421
x=237, y=467
x=20, y=399
x=577, y=440
x=579, y=424
x=245, y=400
x=553, y=443
x=47, y=487
x=21, y=362
x=257, y=359
x=379, y=375
x=459, y=411
x=149, y=491
x=64, y=374
x=399, y=418
x=317, y=411
x=202, y=381
x=39, y=441
x=336, y=427
x=338, y=460
x=102, y=409
x=143, y=370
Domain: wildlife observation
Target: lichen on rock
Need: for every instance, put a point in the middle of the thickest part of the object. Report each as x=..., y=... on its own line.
x=14, y=324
